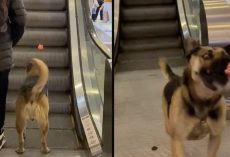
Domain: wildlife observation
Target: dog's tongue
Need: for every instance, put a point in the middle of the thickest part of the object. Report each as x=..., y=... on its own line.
x=227, y=71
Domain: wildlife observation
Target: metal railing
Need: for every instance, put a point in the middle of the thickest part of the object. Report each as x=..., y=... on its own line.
x=193, y=20
x=116, y=30
x=89, y=59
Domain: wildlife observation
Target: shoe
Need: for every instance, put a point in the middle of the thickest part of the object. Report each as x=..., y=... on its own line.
x=2, y=139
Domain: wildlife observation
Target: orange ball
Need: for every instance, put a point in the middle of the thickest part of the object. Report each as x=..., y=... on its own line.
x=40, y=47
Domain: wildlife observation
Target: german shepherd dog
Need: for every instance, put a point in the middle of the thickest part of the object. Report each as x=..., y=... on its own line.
x=32, y=103
x=193, y=105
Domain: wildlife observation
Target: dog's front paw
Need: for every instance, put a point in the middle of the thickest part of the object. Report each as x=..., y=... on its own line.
x=45, y=150
x=20, y=150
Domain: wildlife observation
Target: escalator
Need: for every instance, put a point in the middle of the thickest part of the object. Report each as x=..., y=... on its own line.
x=53, y=23
x=48, y=25
x=148, y=30
x=218, y=15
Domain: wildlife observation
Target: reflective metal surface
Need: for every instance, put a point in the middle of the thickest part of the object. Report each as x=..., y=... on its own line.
x=218, y=18
x=183, y=21
x=104, y=49
x=192, y=12
x=116, y=19
x=107, y=132
x=193, y=20
x=116, y=30
x=81, y=106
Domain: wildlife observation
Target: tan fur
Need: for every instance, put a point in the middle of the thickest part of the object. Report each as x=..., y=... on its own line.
x=181, y=126
x=34, y=105
x=162, y=64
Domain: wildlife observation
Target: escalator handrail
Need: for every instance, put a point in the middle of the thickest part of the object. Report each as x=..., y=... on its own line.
x=116, y=20
x=116, y=30
x=84, y=118
x=92, y=32
x=186, y=32
x=204, y=25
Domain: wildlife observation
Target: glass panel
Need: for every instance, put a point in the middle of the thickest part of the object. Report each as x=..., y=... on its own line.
x=93, y=63
x=101, y=15
x=95, y=84
x=192, y=14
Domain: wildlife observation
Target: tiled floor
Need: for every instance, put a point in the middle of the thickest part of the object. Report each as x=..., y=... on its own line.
x=139, y=122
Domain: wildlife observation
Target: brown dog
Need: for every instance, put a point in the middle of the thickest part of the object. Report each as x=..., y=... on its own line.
x=32, y=103
x=193, y=105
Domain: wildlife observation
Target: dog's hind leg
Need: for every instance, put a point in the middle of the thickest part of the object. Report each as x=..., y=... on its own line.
x=44, y=127
x=213, y=145
x=20, y=126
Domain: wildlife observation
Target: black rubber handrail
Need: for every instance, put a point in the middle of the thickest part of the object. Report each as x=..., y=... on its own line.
x=204, y=25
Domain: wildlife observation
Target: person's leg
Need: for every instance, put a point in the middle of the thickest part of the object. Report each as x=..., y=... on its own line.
x=3, y=92
x=97, y=11
x=101, y=14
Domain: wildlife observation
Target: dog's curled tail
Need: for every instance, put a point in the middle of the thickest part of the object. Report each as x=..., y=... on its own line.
x=43, y=75
x=166, y=70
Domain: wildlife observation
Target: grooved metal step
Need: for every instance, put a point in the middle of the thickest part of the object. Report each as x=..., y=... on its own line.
x=54, y=57
x=132, y=65
x=149, y=29
x=148, y=55
x=59, y=79
x=59, y=102
x=47, y=37
x=57, y=138
x=150, y=44
x=45, y=4
x=147, y=2
x=64, y=121
x=142, y=13
x=48, y=19
x=7, y=152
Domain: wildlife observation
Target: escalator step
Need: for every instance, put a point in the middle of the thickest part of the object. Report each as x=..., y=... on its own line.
x=142, y=13
x=58, y=139
x=48, y=37
x=45, y=4
x=148, y=55
x=149, y=29
x=53, y=57
x=59, y=79
x=132, y=65
x=146, y=44
x=59, y=102
x=147, y=2
x=57, y=19
x=64, y=121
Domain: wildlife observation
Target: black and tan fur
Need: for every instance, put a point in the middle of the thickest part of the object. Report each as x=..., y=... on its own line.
x=32, y=103
x=193, y=105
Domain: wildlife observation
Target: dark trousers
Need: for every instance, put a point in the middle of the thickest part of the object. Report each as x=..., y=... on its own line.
x=94, y=16
x=4, y=75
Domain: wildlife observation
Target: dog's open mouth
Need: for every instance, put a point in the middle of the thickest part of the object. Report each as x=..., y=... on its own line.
x=217, y=74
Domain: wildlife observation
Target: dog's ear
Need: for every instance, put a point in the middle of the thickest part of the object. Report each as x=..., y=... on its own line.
x=191, y=47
